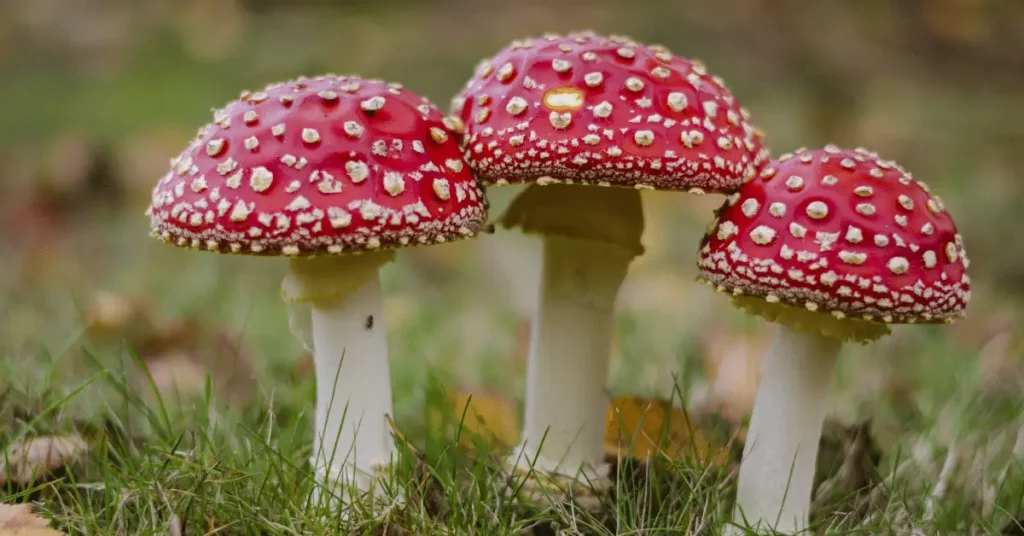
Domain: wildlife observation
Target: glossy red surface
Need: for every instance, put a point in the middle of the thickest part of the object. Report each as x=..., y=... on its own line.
x=322, y=165
x=591, y=109
x=841, y=231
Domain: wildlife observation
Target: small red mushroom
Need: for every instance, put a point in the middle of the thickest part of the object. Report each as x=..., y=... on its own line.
x=335, y=173
x=583, y=109
x=834, y=245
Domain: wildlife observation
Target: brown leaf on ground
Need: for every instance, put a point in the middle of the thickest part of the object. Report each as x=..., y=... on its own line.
x=639, y=428
x=180, y=359
x=38, y=457
x=19, y=520
x=179, y=354
x=486, y=415
x=113, y=317
x=177, y=374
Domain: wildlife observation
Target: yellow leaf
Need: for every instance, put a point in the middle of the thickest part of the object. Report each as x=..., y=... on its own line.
x=18, y=520
x=487, y=415
x=639, y=428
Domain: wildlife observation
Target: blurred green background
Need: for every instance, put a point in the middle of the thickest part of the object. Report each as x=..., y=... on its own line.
x=97, y=95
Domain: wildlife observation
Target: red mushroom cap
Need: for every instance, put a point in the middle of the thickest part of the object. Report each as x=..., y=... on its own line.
x=840, y=231
x=320, y=166
x=611, y=111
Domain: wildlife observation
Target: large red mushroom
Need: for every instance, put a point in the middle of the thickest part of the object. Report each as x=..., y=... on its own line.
x=834, y=245
x=588, y=121
x=333, y=173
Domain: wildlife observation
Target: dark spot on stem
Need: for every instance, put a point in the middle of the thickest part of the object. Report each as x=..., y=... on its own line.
x=369, y=322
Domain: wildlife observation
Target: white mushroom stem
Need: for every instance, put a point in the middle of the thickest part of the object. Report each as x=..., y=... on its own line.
x=353, y=383
x=590, y=235
x=566, y=401
x=777, y=471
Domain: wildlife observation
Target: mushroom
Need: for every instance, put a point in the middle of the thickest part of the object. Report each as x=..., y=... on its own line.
x=585, y=110
x=834, y=245
x=333, y=173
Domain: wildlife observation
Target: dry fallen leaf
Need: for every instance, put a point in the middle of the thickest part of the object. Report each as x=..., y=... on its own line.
x=179, y=364
x=179, y=354
x=639, y=428
x=494, y=418
x=39, y=456
x=19, y=520
x=177, y=374
x=487, y=415
x=114, y=317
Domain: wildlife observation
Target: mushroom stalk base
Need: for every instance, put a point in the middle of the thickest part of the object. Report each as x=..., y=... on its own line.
x=566, y=401
x=777, y=472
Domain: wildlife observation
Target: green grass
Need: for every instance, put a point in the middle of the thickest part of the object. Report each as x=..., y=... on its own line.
x=246, y=473
x=945, y=438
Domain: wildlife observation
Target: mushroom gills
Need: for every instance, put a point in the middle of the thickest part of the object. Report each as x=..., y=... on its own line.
x=846, y=329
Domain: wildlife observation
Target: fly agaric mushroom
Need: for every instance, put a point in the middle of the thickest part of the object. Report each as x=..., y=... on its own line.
x=334, y=173
x=834, y=245
x=587, y=110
